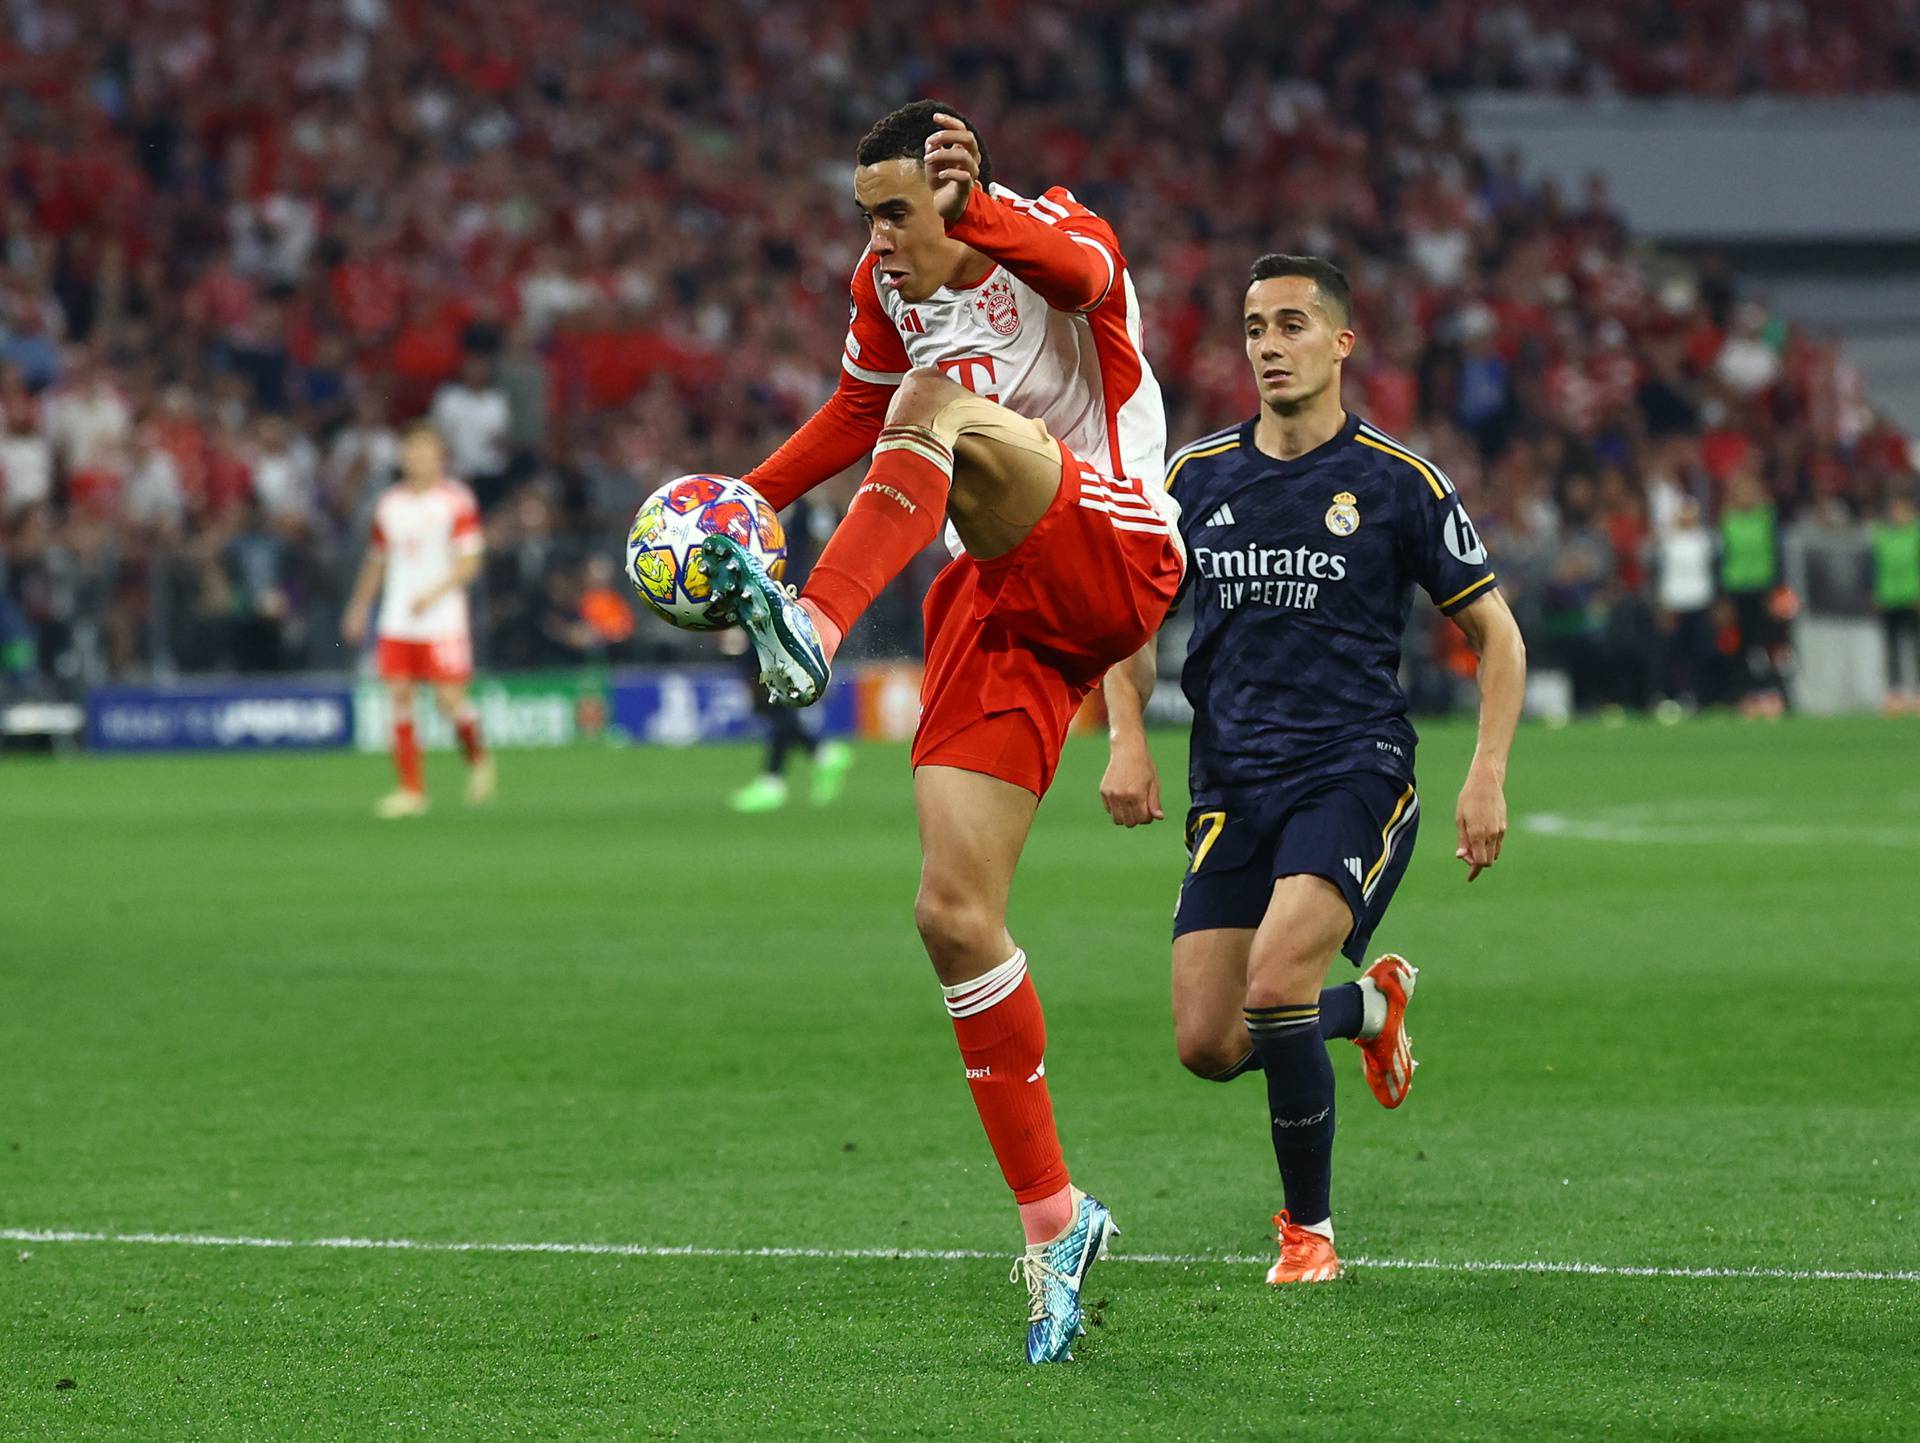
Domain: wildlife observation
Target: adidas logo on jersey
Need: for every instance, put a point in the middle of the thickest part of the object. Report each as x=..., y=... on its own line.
x=1353, y=866
x=1222, y=517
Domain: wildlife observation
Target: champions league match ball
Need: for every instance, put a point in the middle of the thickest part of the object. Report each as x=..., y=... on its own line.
x=664, y=564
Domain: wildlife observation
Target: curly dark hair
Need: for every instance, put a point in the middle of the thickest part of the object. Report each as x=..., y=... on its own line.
x=902, y=135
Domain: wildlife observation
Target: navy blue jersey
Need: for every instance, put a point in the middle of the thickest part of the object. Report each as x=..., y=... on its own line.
x=1301, y=577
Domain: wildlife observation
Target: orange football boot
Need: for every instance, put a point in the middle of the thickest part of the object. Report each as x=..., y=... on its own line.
x=1305, y=1257
x=1389, y=1056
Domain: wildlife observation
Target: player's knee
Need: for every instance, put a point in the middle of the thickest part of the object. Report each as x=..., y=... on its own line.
x=920, y=395
x=953, y=926
x=1209, y=1055
x=1285, y=976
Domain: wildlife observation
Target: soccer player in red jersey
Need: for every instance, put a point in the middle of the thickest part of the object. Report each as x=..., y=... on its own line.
x=425, y=553
x=993, y=369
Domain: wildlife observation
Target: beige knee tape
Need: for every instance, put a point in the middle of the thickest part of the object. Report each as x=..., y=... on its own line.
x=971, y=415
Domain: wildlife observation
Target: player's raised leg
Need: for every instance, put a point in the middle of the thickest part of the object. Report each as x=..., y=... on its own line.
x=1307, y=920
x=972, y=830
x=1209, y=1006
x=942, y=448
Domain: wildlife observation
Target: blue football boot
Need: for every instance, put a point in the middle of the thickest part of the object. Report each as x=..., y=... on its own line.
x=793, y=664
x=1054, y=1274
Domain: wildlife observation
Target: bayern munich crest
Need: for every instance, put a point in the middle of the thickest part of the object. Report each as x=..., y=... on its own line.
x=1343, y=517
x=995, y=304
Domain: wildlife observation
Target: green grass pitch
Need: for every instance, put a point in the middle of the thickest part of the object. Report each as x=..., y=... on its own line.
x=1673, y=1030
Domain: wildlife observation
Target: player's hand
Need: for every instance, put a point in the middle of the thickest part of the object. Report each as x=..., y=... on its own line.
x=353, y=626
x=424, y=601
x=1130, y=791
x=1481, y=821
x=952, y=165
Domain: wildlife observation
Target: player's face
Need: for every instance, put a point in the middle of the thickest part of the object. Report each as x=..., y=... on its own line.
x=421, y=458
x=1294, y=343
x=904, y=230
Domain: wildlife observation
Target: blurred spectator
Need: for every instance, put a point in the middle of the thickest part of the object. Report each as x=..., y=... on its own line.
x=1749, y=574
x=1683, y=566
x=1896, y=594
x=285, y=475
x=26, y=455
x=155, y=497
x=473, y=415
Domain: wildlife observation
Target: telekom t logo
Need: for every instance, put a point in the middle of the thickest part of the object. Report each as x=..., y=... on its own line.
x=976, y=373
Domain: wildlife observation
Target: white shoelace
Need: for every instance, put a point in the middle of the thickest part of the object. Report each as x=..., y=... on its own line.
x=1037, y=1271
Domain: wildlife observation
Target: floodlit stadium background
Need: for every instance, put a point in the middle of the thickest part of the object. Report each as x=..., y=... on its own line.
x=1605, y=258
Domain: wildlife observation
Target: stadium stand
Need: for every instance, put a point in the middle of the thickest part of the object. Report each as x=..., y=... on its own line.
x=606, y=244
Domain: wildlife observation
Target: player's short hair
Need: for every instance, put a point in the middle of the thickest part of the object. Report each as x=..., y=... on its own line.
x=902, y=135
x=1328, y=277
x=423, y=425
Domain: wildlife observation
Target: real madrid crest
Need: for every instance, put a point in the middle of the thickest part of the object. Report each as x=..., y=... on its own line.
x=1343, y=517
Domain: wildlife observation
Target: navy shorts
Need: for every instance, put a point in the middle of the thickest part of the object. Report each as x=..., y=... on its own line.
x=1356, y=829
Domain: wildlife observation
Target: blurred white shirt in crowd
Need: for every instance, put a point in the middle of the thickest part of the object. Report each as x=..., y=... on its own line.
x=283, y=479
x=26, y=470
x=1684, y=560
x=89, y=423
x=473, y=421
x=155, y=495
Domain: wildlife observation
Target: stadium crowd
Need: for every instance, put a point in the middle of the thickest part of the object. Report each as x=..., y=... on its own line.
x=602, y=245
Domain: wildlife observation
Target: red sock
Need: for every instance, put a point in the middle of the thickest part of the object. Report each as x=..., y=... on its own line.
x=1003, y=1041
x=894, y=515
x=466, y=725
x=406, y=755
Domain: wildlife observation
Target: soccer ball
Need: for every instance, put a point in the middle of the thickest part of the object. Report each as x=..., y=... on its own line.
x=664, y=562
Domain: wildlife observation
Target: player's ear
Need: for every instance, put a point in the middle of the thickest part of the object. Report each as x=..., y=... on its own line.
x=1342, y=344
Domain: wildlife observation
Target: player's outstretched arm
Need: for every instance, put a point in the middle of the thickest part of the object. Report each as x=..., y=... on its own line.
x=366, y=586
x=1070, y=274
x=1130, y=790
x=836, y=436
x=1481, y=817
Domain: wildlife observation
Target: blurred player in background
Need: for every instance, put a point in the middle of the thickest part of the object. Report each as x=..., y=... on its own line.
x=1896, y=596
x=984, y=326
x=1308, y=530
x=425, y=553
x=788, y=730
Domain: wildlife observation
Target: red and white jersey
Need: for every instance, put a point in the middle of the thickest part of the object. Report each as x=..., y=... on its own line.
x=1081, y=369
x=424, y=534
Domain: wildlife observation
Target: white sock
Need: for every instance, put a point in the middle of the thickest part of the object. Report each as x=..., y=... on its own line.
x=1325, y=1229
x=1373, y=1011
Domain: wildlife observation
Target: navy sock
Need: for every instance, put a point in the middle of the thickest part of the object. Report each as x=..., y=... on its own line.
x=1341, y=1009
x=1299, y=1104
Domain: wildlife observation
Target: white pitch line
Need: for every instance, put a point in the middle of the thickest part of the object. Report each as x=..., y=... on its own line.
x=651, y=1250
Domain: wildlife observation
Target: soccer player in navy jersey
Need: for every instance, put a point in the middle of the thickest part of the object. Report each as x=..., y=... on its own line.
x=1307, y=530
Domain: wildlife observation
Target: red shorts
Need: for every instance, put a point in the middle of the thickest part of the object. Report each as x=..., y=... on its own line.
x=1015, y=644
x=448, y=659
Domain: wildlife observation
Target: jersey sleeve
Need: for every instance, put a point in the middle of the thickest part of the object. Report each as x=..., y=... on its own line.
x=1064, y=251
x=1445, y=550
x=467, y=537
x=836, y=436
x=873, y=352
